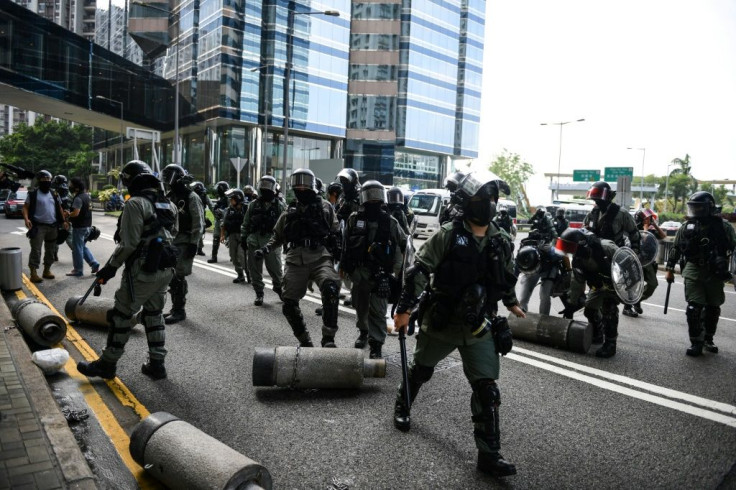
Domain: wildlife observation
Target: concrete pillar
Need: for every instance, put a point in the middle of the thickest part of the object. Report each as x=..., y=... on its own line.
x=553, y=331
x=92, y=312
x=181, y=456
x=314, y=367
x=38, y=322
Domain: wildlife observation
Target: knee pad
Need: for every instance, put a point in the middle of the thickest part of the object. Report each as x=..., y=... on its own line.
x=112, y=314
x=148, y=317
x=330, y=291
x=487, y=392
x=609, y=313
x=420, y=373
x=693, y=312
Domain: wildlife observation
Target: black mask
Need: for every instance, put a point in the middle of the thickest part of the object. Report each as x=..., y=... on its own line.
x=305, y=196
x=372, y=210
x=583, y=252
x=602, y=205
x=267, y=195
x=63, y=192
x=44, y=185
x=480, y=212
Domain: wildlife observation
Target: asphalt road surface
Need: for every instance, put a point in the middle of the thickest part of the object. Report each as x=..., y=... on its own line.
x=650, y=417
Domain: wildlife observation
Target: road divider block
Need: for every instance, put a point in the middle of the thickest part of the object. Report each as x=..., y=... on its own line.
x=38, y=322
x=92, y=312
x=553, y=331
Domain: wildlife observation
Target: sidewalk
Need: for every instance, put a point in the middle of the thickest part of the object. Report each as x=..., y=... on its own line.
x=37, y=448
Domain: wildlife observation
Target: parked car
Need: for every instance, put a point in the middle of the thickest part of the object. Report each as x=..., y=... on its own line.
x=670, y=227
x=14, y=204
x=4, y=193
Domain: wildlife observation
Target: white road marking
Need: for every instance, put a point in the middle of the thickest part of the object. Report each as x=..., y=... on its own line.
x=726, y=286
x=669, y=308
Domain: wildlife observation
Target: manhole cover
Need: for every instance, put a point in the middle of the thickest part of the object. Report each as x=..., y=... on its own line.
x=446, y=363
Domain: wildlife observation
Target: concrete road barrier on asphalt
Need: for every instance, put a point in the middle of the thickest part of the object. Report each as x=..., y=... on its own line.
x=181, y=456
x=92, y=312
x=314, y=367
x=553, y=331
x=38, y=322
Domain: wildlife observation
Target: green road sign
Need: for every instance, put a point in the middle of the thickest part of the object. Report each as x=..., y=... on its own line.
x=613, y=173
x=586, y=175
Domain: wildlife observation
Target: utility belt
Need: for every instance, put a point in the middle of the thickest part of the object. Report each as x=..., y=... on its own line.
x=306, y=243
x=157, y=256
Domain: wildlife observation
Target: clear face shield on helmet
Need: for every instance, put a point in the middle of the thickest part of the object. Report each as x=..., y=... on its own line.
x=698, y=209
x=268, y=184
x=395, y=196
x=303, y=181
x=372, y=194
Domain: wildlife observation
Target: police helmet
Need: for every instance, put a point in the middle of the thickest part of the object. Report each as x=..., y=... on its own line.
x=701, y=205
x=541, y=209
x=320, y=186
x=482, y=184
x=560, y=212
x=454, y=180
x=249, y=191
x=303, y=179
x=334, y=188
x=267, y=183
x=573, y=238
x=372, y=191
x=503, y=209
x=173, y=174
x=236, y=194
x=395, y=196
x=528, y=259
x=601, y=191
x=198, y=187
x=137, y=175
x=43, y=175
x=222, y=187
x=60, y=181
x=349, y=179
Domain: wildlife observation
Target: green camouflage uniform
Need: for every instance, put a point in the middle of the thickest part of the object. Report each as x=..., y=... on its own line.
x=256, y=236
x=186, y=240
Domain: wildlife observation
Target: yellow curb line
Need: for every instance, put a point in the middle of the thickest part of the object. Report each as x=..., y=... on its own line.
x=107, y=420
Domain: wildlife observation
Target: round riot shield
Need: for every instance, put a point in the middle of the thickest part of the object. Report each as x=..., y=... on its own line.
x=627, y=275
x=649, y=246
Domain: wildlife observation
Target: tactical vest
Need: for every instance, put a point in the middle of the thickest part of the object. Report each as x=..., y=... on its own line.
x=233, y=219
x=702, y=239
x=33, y=195
x=306, y=227
x=594, y=278
x=262, y=219
x=347, y=207
x=185, y=215
x=222, y=203
x=361, y=250
x=605, y=228
x=464, y=265
x=84, y=218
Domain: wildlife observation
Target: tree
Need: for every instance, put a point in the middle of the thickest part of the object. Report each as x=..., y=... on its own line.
x=686, y=185
x=56, y=146
x=719, y=193
x=514, y=171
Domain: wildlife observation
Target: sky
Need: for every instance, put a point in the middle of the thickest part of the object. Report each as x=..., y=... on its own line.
x=654, y=74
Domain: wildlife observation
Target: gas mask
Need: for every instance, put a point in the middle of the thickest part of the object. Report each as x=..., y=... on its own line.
x=480, y=212
x=372, y=210
x=305, y=196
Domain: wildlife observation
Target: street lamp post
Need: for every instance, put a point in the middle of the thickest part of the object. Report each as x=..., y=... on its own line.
x=102, y=97
x=641, y=189
x=288, y=67
x=559, y=156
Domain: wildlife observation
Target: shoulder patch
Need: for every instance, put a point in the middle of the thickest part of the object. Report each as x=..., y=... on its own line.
x=461, y=240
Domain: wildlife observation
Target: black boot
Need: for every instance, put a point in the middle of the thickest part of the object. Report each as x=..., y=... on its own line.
x=418, y=375
x=99, y=368
x=318, y=311
x=305, y=340
x=695, y=350
x=375, y=349
x=154, y=368
x=213, y=260
x=240, y=278
x=200, y=252
x=638, y=308
x=493, y=464
x=361, y=340
x=629, y=311
x=279, y=291
x=259, y=299
x=709, y=346
x=178, y=289
x=175, y=316
x=608, y=349
x=328, y=341
x=215, y=247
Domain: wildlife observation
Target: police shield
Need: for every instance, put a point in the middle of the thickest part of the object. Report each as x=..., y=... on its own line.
x=649, y=246
x=627, y=275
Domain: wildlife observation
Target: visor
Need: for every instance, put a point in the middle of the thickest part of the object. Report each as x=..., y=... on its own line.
x=566, y=247
x=697, y=210
x=267, y=184
x=598, y=193
x=372, y=194
x=395, y=197
x=302, y=180
x=475, y=182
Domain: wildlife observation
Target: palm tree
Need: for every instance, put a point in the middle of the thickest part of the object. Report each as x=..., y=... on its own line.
x=691, y=186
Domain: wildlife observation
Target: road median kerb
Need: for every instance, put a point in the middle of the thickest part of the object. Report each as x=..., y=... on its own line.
x=74, y=468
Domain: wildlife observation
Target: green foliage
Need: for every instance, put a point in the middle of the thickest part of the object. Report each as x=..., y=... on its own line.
x=114, y=173
x=514, y=171
x=108, y=186
x=669, y=216
x=684, y=183
x=105, y=194
x=56, y=146
x=719, y=193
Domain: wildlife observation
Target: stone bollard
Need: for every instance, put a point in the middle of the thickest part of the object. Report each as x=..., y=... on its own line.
x=92, y=312
x=181, y=456
x=314, y=367
x=553, y=331
x=41, y=324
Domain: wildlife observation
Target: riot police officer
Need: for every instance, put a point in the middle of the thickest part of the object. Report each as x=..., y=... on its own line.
x=250, y=194
x=395, y=203
x=230, y=232
x=349, y=201
x=61, y=185
x=334, y=191
x=452, y=210
x=504, y=221
x=144, y=245
x=258, y=224
x=472, y=267
x=645, y=221
x=706, y=241
x=201, y=191
x=190, y=229
x=541, y=265
x=542, y=223
x=372, y=257
x=218, y=211
x=310, y=231
x=592, y=265
x=608, y=220
x=561, y=223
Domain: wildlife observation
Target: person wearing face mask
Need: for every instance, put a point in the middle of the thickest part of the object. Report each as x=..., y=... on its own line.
x=190, y=228
x=591, y=265
x=453, y=210
x=218, y=211
x=608, y=220
x=372, y=257
x=348, y=204
x=311, y=233
x=472, y=268
x=230, y=232
x=60, y=184
x=542, y=225
x=258, y=224
x=80, y=216
x=395, y=198
x=43, y=215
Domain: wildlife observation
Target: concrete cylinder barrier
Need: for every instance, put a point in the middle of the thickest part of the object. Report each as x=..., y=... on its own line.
x=38, y=322
x=11, y=269
x=181, y=456
x=553, y=331
x=313, y=367
x=92, y=312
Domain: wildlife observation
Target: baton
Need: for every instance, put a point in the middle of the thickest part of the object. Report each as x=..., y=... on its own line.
x=667, y=297
x=97, y=288
x=405, y=370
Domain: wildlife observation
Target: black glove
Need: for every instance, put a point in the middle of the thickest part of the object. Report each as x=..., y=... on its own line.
x=502, y=335
x=262, y=252
x=190, y=250
x=106, y=273
x=383, y=286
